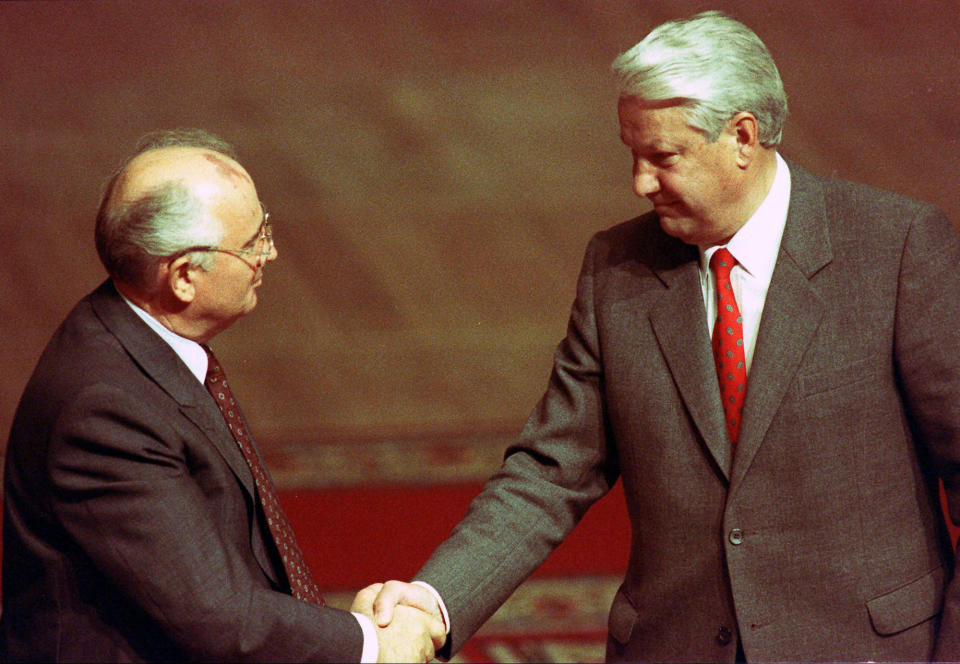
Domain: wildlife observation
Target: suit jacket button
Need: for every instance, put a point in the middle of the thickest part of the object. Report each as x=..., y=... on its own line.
x=736, y=536
x=724, y=636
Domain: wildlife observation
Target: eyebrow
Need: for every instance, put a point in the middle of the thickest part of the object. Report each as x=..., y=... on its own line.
x=656, y=146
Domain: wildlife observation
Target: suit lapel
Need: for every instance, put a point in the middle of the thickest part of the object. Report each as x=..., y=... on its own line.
x=161, y=363
x=679, y=323
x=791, y=314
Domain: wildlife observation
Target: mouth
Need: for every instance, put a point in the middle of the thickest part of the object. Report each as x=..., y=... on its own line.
x=666, y=208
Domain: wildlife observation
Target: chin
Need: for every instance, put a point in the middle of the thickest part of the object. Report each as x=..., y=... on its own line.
x=682, y=229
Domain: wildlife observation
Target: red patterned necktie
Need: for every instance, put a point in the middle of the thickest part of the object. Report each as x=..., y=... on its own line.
x=728, y=344
x=301, y=581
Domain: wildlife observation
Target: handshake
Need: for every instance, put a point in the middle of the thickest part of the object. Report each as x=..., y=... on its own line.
x=410, y=626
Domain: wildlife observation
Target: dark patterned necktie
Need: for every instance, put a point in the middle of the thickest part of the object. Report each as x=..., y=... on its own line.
x=728, y=351
x=301, y=581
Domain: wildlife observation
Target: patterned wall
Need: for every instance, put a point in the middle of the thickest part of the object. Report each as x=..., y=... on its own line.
x=434, y=169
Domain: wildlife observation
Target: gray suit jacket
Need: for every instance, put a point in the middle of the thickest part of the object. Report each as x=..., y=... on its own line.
x=130, y=529
x=821, y=538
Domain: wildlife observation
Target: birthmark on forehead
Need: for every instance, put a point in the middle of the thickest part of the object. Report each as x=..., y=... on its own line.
x=225, y=167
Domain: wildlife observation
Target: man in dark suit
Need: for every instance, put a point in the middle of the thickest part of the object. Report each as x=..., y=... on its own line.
x=139, y=523
x=770, y=361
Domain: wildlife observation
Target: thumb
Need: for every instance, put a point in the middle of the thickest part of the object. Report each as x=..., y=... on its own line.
x=397, y=592
x=389, y=596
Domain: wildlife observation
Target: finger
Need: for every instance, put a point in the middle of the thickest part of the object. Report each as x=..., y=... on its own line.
x=426, y=635
x=429, y=652
x=366, y=596
x=391, y=594
x=363, y=602
x=438, y=633
x=397, y=592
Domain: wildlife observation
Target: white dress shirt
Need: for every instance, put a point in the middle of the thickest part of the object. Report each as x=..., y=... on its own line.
x=195, y=357
x=755, y=246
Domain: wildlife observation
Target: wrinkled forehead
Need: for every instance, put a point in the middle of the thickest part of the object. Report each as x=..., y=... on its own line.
x=653, y=124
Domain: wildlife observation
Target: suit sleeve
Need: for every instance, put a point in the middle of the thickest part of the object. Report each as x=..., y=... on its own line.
x=123, y=490
x=560, y=465
x=927, y=347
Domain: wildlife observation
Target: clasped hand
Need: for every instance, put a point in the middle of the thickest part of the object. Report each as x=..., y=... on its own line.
x=409, y=624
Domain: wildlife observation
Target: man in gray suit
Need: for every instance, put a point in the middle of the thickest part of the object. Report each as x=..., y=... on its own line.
x=770, y=361
x=139, y=522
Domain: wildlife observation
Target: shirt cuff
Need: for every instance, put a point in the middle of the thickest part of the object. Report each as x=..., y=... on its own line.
x=436, y=596
x=371, y=645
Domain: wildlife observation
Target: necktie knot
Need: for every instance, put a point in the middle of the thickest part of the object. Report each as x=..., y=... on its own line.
x=214, y=370
x=722, y=262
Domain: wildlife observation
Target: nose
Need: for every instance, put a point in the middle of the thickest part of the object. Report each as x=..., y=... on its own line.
x=646, y=182
x=271, y=255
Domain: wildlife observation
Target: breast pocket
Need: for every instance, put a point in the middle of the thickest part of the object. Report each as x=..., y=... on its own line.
x=862, y=371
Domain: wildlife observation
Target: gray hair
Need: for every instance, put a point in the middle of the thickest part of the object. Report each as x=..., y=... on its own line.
x=134, y=237
x=714, y=66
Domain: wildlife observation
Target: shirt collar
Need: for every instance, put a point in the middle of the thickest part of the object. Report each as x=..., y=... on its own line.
x=192, y=353
x=756, y=244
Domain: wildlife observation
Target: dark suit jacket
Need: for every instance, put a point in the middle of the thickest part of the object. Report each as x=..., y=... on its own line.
x=821, y=538
x=130, y=531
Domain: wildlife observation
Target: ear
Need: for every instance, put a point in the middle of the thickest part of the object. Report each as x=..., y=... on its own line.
x=746, y=129
x=180, y=279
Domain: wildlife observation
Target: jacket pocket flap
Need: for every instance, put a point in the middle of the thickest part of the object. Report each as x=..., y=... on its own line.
x=622, y=618
x=809, y=385
x=908, y=605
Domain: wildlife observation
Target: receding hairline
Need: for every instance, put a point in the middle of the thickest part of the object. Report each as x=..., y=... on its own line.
x=176, y=164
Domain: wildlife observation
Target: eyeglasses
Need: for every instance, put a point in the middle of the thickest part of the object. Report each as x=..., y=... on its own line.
x=259, y=248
